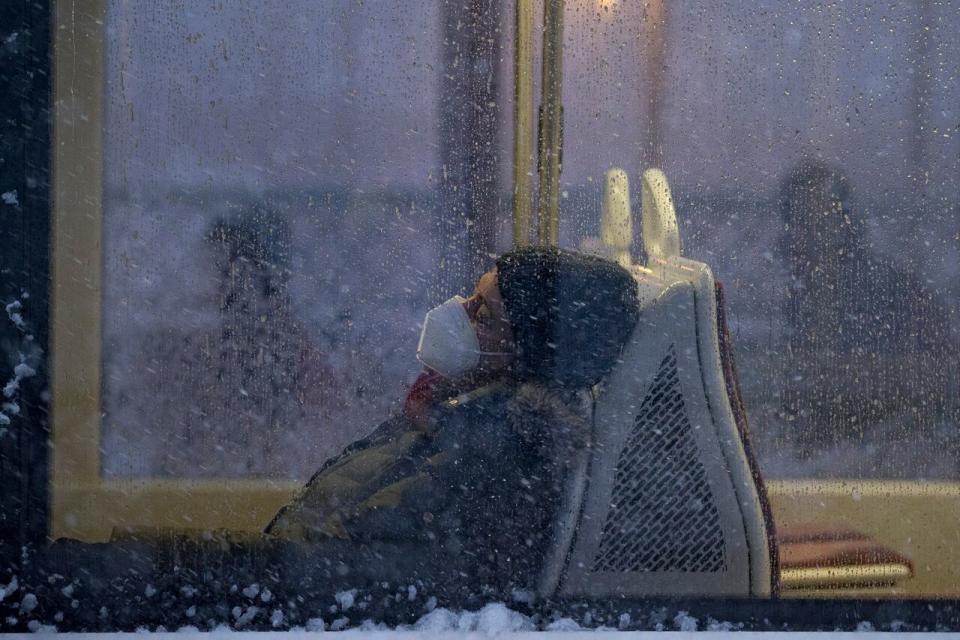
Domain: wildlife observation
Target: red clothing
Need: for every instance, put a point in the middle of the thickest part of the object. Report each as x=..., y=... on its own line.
x=421, y=397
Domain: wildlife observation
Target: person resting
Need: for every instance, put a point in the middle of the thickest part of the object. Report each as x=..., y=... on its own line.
x=472, y=470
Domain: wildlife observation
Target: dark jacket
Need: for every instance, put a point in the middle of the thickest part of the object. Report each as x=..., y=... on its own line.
x=478, y=484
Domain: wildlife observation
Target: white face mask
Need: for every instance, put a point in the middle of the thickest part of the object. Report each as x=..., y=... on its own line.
x=448, y=341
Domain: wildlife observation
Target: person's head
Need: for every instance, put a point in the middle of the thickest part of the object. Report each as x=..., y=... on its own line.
x=818, y=225
x=547, y=315
x=251, y=250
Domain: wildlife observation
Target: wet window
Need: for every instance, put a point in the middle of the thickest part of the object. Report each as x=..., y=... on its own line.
x=610, y=299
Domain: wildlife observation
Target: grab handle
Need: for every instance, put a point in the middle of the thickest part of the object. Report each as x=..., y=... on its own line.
x=661, y=235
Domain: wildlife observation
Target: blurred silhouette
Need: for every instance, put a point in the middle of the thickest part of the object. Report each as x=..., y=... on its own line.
x=227, y=396
x=264, y=367
x=869, y=353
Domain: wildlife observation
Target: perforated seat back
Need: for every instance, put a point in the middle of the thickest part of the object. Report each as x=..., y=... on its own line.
x=665, y=502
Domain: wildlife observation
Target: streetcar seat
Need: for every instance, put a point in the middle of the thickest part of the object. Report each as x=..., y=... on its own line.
x=669, y=500
x=814, y=558
x=666, y=502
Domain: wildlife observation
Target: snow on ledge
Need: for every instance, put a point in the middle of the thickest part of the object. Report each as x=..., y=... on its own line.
x=357, y=634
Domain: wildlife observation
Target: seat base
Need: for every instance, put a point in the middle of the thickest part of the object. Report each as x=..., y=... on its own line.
x=813, y=558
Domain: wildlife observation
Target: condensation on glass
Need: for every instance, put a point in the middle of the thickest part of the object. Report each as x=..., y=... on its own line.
x=286, y=191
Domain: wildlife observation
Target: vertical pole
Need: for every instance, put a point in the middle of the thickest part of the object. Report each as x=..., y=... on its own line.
x=523, y=123
x=551, y=124
x=653, y=83
x=470, y=195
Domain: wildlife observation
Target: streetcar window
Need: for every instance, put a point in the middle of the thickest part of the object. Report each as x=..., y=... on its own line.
x=715, y=249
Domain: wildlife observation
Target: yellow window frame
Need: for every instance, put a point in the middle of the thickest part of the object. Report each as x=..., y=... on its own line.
x=84, y=505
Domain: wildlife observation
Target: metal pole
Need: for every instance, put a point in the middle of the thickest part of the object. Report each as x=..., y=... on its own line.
x=652, y=87
x=470, y=122
x=551, y=124
x=523, y=124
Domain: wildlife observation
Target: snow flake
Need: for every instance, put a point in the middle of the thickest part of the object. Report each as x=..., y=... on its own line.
x=723, y=625
x=370, y=625
x=29, y=603
x=246, y=617
x=345, y=599
x=497, y=618
x=35, y=627
x=316, y=624
x=437, y=620
x=339, y=624
x=14, y=312
x=685, y=622
x=494, y=618
x=431, y=603
x=276, y=618
x=564, y=624
x=523, y=596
